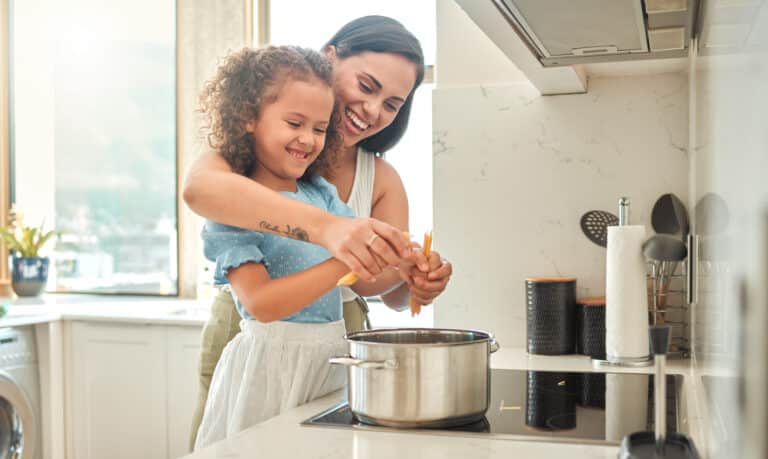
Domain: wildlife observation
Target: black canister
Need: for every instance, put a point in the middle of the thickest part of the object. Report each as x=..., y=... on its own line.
x=550, y=314
x=590, y=327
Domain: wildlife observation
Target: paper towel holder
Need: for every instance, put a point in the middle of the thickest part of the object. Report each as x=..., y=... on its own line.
x=626, y=362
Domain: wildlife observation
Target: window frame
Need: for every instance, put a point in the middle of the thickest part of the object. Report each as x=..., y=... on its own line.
x=5, y=143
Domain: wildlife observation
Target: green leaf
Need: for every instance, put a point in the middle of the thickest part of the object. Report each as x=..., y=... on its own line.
x=42, y=240
x=10, y=240
x=28, y=235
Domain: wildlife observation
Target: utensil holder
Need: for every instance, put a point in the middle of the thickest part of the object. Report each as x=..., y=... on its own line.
x=668, y=306
x=550, y=314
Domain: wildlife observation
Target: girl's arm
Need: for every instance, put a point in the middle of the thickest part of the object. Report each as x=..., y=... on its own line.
x=213, y=191
x=268, y=299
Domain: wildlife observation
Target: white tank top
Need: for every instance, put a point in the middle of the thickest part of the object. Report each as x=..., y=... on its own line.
x=361, y=197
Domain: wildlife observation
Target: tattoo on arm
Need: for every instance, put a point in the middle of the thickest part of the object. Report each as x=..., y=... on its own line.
x=293, y=233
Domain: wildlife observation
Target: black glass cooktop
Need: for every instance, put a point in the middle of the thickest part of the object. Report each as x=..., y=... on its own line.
x=558, y=405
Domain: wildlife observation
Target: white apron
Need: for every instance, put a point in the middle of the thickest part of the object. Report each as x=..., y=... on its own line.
x=268, y=368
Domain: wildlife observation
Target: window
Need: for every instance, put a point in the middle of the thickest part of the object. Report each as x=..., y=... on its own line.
x=412, y=157
x=93, y=139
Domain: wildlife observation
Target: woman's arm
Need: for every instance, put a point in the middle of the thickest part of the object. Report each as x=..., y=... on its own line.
x=390, y=204
x=268, y=299
x=422, y=278
x=213, y=191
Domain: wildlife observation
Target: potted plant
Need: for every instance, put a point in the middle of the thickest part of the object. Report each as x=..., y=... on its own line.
x=29, y=271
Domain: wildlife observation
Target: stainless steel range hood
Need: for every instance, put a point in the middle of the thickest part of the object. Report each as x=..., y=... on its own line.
x=568, y=32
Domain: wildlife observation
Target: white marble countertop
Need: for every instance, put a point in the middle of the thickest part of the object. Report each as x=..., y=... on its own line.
x=143, y=310
x=284, y=437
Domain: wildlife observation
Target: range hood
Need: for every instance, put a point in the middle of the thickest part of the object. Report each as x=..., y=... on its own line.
x=568, y=32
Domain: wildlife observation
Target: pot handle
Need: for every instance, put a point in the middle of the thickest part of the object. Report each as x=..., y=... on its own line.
x=349, y=361
x=494, y=345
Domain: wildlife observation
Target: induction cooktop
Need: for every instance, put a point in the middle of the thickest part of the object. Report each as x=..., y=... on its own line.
x=551, y=406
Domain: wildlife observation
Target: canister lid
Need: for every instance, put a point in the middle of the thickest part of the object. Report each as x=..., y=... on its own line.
x=550, y=279
x=592, y=301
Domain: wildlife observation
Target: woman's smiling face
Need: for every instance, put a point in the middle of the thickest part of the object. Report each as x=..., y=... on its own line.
x=370, y=89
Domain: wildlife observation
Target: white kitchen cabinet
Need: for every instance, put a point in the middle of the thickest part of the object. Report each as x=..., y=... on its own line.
x=131, y=389
x=183, y=349
x=118, y=386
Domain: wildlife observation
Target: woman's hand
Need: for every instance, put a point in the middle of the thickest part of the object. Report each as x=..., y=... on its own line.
x=365, y=245
x=426, y=285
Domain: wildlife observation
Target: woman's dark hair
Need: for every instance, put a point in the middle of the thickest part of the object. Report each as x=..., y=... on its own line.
x=381, y=34
x=245, y=82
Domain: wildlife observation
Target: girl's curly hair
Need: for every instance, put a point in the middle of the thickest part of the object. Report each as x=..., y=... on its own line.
x=245, y=82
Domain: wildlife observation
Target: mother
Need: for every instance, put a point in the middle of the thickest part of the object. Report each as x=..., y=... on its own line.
x=377, y=66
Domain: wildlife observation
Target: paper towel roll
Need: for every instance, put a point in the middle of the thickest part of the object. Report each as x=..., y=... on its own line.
x=626, y=405
x=626, y=311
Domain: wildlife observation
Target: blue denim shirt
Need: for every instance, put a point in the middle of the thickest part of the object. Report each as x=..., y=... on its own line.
x=231, y=247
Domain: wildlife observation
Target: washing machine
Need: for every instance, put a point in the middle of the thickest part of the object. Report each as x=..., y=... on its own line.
x=20, y=435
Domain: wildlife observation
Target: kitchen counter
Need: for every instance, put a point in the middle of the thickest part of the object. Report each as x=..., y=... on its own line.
x=284, y=437
x=142, y=310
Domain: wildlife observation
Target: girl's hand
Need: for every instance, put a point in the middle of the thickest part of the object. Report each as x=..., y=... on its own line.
x=426, y=285
x=365, y=245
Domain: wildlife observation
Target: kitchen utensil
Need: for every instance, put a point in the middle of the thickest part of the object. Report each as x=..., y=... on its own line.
x=662, y=247
x=550, y=315
x=665, y=252
x=658, y=444
x=418, y=377
x=669, y=216
x=595, y=225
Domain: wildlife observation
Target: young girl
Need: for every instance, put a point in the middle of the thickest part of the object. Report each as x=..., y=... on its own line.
x=270, y=114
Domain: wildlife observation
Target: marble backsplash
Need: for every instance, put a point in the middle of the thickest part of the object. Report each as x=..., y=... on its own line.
x=514, y=171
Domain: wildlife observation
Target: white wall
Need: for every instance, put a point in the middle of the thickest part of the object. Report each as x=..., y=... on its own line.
x=514, y=172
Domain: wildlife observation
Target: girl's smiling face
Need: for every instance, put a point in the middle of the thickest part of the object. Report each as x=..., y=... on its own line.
x=370, y=89
x=290, y=132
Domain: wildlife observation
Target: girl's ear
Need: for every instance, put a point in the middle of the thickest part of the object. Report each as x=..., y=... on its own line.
x=250, y=127
x=330, y=53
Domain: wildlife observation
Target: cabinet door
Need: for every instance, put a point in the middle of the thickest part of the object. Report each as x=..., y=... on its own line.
x=183, y=345
x=118, y=391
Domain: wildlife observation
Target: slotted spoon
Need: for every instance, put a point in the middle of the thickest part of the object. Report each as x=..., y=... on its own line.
x=595, y=225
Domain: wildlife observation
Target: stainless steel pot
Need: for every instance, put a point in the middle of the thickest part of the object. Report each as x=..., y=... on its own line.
x=418, y=377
